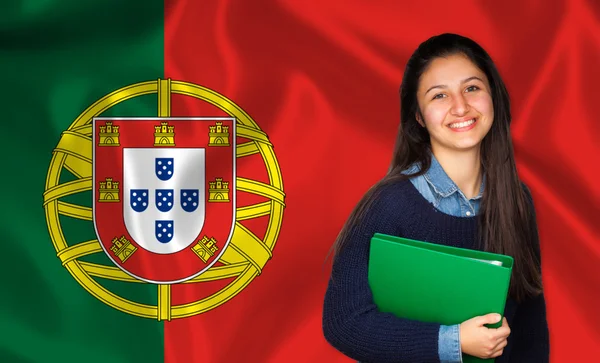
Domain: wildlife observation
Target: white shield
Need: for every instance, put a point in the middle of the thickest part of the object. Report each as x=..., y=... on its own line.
x=140, y=173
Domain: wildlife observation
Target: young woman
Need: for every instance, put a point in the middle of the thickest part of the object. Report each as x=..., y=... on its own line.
x=452, y=181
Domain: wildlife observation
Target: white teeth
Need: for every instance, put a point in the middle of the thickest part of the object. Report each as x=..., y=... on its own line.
x=462, y=124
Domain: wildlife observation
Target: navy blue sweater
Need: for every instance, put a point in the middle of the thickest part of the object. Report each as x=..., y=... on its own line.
x=354, y=326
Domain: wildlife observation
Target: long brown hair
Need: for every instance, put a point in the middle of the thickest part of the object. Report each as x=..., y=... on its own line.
x=506, y=215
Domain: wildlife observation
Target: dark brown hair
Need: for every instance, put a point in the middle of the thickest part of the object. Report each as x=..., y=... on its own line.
x=506, y=215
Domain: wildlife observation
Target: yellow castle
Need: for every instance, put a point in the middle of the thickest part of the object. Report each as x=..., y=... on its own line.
x=218, y=135
x=122, y=248
x=218, y=191
x=109, y=135
x=164, y=134
x=205, y=248
x=108, y=191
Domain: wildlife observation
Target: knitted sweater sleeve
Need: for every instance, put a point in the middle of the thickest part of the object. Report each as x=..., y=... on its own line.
x=351, y=321
x=530, y=330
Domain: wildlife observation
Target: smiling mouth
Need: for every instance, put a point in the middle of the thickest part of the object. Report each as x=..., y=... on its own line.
x=459, y=125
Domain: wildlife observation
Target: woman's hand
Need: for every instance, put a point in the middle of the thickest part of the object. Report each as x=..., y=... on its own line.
x=483, y=342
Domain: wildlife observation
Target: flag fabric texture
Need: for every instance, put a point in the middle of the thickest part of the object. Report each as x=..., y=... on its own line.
x=314, y=86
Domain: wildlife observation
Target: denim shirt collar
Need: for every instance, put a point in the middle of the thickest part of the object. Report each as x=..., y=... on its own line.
x=441, y=183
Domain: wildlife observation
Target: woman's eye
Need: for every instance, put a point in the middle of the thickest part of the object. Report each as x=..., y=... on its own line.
x=472, y=88
x=439, y=95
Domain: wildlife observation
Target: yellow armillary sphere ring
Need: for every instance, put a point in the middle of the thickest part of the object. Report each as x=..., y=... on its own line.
x=246, y=254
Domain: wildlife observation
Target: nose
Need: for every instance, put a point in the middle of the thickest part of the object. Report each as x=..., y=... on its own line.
x=460, y=106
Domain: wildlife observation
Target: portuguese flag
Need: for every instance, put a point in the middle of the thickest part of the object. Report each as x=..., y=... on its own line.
x=312, y=89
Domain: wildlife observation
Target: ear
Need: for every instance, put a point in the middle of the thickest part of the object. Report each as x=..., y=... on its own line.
x=419, y=118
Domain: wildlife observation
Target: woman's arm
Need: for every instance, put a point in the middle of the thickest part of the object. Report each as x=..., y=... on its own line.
x=530, y=333
x=530, y=326
x=351, y=321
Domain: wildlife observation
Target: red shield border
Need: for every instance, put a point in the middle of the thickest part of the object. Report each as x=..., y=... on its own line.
x=218, y=137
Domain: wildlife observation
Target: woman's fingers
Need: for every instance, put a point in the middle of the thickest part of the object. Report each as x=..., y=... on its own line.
x=499, y=348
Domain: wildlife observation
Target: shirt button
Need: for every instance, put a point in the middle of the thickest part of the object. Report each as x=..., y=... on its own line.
x=468, y=213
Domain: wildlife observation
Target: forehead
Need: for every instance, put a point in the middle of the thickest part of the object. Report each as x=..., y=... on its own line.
x=450, y=70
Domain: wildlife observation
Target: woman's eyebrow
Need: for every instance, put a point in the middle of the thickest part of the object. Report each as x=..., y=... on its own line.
x=470, y=79
x=461, y=82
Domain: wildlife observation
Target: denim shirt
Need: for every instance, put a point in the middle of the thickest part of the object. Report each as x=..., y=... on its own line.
x=437, y=188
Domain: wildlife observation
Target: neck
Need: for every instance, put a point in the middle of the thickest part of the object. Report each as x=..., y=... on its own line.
x=463, y=167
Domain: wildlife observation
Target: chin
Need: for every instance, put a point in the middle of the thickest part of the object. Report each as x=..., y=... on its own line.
x=467, y=146
x=463, y=144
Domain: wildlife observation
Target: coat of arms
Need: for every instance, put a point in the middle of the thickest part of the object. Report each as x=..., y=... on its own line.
x=164, y=193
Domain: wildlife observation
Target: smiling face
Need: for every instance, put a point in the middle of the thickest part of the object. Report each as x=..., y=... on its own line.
x=455, y=100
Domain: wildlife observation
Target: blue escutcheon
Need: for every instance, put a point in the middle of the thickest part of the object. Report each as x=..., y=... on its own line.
x=164, y=199
x=164, y=231
x=164, y=168
x=189, y=199
x=138, y=199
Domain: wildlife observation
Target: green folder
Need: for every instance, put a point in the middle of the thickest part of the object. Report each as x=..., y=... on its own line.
x=436, y=283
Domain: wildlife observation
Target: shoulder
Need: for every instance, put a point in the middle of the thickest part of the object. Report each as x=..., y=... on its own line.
x=384, y=201
x=393, y=192
x=529, y=199
x=526, y=190
x=380, y=210
x=530, y=205
x=392, y=201
x=532, y=219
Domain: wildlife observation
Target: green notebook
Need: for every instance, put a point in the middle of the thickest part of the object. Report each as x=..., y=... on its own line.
x=436, y=283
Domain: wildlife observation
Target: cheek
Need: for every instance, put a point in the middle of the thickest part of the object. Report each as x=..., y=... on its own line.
x=435, y=114
x=484, y=105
